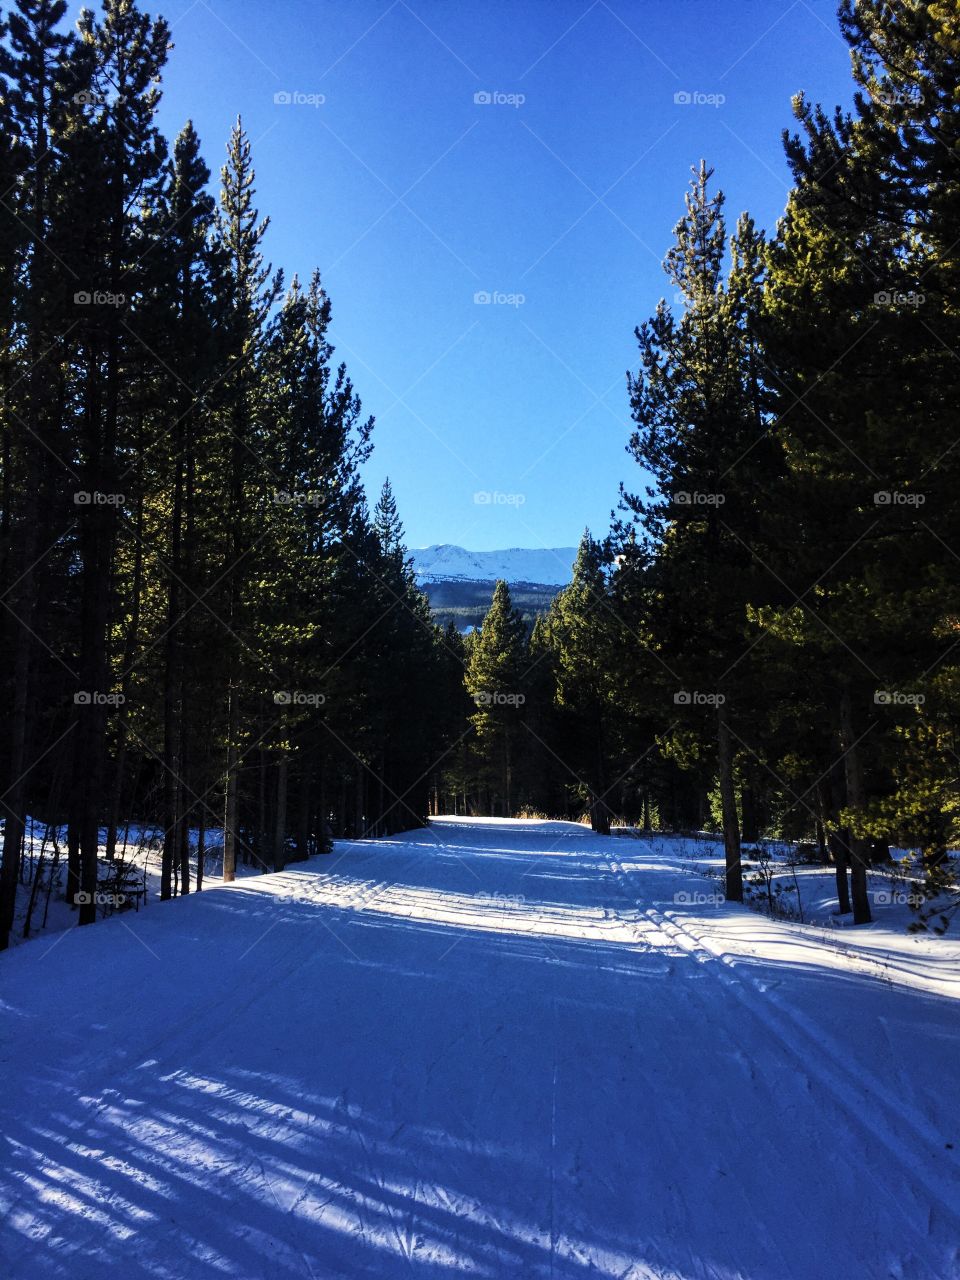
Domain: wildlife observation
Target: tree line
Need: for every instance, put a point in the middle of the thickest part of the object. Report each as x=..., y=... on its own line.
x=204, y=626
x=767, y=640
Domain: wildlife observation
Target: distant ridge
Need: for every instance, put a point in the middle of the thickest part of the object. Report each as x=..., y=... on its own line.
x=445, y=562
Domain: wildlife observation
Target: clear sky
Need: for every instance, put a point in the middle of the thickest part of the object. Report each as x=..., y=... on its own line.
x=563, y=190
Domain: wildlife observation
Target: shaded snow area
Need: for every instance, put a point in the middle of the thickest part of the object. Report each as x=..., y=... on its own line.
x=787, y=879
x=492, y=1048
x=40, y=906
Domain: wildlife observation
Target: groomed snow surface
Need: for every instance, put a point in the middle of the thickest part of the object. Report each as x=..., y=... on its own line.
x=501, y=1049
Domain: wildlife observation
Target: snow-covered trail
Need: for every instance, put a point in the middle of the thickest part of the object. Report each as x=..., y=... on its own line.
x=501, y=1049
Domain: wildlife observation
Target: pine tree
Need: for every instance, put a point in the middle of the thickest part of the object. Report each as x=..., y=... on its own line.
x=387, y=523
x=253, y=290
x=578, y=633
x=11, y=246
x=494, y=679
x=308, y=566
x=395, y=665
x=702, y=435
x=127, y=51
x=34, y=67
x=863, y=251
x=232, y=556
x=184, y=322
x=453, y=770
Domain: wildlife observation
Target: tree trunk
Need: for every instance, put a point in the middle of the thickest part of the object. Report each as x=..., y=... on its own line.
x=303, y=812
x=728, y=802
x=839, y=847
x=599, y=809
x=201, y=845
x=15, y=795
x=128, y=660
x=507, y=776
x=264, y=841
x=25, y=529
x=73, y=849
x=856, y=796
x=599, y=815
x=172, y=687
x=183, y=839
x=113, y=821
x=90, y=760
x=230, y=787
x=822, y=843
x=25, y=537
x=280, y=816
x=821, y=822
x=748, y=812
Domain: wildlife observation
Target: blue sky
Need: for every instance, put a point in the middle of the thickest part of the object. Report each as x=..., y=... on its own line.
x=501, y=423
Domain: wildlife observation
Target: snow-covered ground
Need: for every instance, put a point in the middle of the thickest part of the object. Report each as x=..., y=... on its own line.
x=779, y=880
x=40, y=906
x=502, y=1049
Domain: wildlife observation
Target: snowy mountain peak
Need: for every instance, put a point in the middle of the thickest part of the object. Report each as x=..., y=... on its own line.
x=445, y=562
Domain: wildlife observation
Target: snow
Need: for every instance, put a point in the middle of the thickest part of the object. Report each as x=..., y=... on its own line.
x=447, y=563
x=138, y=849
x=807, y=891
x=491, y=1048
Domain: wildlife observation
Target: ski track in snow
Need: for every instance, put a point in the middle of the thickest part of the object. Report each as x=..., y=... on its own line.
x=492, y=1048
